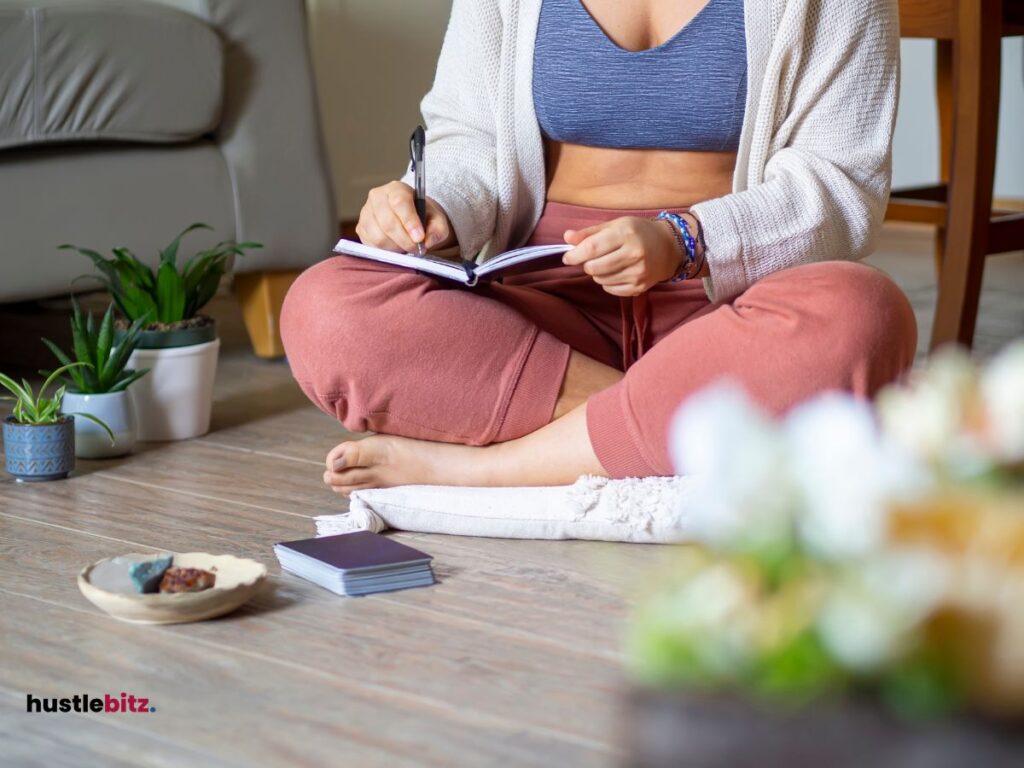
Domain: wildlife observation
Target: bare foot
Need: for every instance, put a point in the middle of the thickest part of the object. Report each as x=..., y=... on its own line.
x=383, y=461
x=555, y=454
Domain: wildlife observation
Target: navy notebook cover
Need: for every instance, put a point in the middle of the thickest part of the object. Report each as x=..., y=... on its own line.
x=363, y=549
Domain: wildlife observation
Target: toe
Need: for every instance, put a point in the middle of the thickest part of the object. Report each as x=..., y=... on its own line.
x=353, y=477
x=349, y=455
x=362, y=476
x=337, y=457
x=368, y=452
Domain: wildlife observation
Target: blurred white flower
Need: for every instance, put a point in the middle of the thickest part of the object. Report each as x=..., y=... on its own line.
x=931, y=417
x=710, y=599
x=847, y=473
x=872, y=613
x=706, y=611
x=927, y=416
x=742, y=496
x=1002, y=389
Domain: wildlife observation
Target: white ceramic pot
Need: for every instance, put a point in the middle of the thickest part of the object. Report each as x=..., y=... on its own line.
x=116, y=410
x=174, y=400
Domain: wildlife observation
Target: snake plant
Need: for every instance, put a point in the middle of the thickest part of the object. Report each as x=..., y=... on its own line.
x=105, y=368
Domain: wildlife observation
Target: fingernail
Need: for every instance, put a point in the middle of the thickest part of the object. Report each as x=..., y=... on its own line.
x=339, y=464
x=416, y=234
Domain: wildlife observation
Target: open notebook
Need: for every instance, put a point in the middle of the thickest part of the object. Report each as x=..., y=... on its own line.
x=469, y=273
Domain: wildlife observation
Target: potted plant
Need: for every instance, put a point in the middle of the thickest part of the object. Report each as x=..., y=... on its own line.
x=854, y=598
x=39, y=440
x=100, y=385
x=177, y=344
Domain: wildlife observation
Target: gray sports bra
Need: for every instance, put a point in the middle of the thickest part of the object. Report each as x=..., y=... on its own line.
x=688, y=93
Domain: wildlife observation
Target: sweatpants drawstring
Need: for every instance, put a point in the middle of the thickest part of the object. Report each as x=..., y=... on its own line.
x=636, y=315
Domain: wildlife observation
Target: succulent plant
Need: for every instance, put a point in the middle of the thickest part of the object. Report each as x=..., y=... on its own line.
x=169, y=294
x=35, y=408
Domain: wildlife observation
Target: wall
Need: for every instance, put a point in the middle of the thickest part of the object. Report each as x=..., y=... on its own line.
x=915, y=146
x=375, y=59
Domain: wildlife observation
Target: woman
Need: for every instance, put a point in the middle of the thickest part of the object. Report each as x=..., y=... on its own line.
x=765, y=126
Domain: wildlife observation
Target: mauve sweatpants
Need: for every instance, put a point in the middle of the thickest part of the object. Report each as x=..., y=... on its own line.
x=397, y=352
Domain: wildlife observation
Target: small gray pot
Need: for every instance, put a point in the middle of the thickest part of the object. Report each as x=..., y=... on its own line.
x=36, y=452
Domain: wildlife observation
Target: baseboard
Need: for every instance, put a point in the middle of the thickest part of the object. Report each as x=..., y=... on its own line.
x=1009, y=203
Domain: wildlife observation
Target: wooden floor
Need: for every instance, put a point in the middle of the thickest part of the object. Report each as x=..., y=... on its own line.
x=513, y=658
x=905, y=252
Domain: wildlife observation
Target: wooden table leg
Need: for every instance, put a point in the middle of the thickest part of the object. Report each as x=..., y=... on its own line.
x=946, y=98
x=261, y=295
x=976, y=62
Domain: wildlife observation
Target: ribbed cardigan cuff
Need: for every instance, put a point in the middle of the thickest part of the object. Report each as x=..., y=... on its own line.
x=724, y=243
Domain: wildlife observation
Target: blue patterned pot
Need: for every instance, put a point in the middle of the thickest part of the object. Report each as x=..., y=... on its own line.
x=37, y=452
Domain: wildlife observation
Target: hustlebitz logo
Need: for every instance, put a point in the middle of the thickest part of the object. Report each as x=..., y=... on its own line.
x=123, y=703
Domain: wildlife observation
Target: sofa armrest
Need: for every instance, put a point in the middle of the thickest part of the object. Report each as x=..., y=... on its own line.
x=270, y=133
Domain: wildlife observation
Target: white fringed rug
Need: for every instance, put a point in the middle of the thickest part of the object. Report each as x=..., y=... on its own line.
x=642, y=510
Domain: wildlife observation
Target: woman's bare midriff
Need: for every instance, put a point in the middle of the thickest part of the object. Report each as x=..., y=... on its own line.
x=597, y=177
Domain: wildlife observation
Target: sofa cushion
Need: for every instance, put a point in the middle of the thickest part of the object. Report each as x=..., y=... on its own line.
x=102, y=70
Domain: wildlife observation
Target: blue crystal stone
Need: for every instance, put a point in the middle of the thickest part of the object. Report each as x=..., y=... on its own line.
x=145, y=575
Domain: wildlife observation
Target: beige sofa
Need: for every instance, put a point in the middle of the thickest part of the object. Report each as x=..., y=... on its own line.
x=122, y=121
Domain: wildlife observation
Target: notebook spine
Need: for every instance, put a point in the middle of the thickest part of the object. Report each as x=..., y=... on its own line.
x=471, y=276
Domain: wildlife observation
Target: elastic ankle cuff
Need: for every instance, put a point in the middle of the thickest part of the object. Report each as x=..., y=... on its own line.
x=535, y=393
x=611, y=436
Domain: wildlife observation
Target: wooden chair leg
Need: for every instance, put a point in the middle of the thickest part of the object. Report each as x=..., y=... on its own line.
x=261, y=295
x=976, y=62
x=945, y=96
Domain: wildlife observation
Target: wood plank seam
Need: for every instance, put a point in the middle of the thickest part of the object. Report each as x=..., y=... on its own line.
x=197, y=495
x=496, y=629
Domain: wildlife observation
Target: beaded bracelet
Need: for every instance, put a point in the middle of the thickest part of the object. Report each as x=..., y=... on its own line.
x=703, y=245
x=688, y=267
x=700, y=238
x=678, y=237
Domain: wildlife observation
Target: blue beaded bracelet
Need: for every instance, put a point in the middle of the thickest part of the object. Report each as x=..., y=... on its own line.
x=687, y=244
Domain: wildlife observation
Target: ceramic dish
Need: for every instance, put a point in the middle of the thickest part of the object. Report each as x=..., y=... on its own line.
x=238, y=579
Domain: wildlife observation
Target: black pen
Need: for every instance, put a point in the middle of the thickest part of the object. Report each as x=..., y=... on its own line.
x=419, y=170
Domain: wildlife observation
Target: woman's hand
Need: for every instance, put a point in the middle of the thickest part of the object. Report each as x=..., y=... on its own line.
x=625, y=256
x=388, y=220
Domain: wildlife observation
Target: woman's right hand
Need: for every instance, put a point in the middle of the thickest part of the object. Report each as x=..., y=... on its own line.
x=388, y=220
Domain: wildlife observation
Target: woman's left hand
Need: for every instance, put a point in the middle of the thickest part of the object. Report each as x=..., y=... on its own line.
x=625, y=256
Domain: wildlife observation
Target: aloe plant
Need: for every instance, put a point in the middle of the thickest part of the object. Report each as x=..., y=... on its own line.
x=169, y=294
x=105, y=363
x=35, y=408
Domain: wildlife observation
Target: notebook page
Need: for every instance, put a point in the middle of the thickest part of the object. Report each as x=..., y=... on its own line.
x=520, y=256
x=434, y=266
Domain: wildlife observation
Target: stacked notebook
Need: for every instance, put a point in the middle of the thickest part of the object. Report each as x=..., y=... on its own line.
x=356, y=563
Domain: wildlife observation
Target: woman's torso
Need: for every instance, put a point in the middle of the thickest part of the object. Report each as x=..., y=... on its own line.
x=674, y=144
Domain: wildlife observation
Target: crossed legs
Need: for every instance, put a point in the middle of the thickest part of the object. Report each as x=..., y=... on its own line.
x=555, y=454
x=468, y=388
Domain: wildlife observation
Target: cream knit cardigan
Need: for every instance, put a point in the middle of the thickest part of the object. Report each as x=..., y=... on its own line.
x=814, y=162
